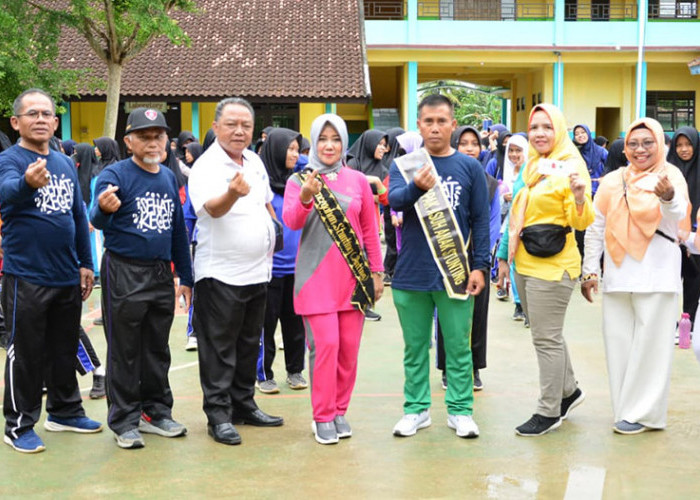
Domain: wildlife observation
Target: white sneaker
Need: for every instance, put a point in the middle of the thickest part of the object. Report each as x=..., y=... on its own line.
x=411, y=422
x=464, y=425
x=191, y=344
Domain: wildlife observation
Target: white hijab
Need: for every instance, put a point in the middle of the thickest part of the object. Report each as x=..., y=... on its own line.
x=508, y=166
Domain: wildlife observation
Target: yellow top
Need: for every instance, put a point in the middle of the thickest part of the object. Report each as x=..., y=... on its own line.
x=552, y=202
x=549, y=200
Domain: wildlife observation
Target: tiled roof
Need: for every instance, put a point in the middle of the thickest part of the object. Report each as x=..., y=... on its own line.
x=285, y=49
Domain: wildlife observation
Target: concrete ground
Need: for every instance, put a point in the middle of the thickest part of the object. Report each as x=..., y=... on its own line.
x=582, y=459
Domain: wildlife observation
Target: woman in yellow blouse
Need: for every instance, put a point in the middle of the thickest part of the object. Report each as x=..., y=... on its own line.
x=555, y=199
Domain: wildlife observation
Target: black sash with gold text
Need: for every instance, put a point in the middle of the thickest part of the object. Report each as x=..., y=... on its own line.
x=343, y=235
x=440, y=227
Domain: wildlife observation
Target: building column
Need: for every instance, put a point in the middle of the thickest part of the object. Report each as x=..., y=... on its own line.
x=558, y=83
x=504, y=113
x=641, y=82
x=331, y=108
x=411, y=101
x=412, y=18
x=66, y=123
x=195, y=120
x=558, y=35
x=641, y=101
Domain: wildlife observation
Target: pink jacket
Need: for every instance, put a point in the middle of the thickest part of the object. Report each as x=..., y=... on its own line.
x=323, y=282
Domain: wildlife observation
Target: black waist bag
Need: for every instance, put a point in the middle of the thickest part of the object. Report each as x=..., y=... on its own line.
x=544, y=240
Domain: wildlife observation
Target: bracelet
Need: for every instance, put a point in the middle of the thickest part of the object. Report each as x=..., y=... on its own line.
x=589, y=277
x=384, y=190
x=664, y=201
x=579, y=203
x=378, y=273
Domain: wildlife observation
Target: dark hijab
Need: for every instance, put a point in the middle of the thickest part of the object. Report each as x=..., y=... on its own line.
x=209, y=139
x=109, y=152
x=393, y=146
x=87, y=164
x=259, y=143
x=69, y=147
x=616, y=156
x=195, y=150
x=501, y=151
x=274, y=156
x=184, y=136
x=690, y=168
x=362, y=153
x=491, y=181
x=173, y=164
x=591, y=152
x=460, y=131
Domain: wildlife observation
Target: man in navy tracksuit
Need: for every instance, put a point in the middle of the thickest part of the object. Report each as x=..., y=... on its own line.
x=138, y=208
x=48, y=271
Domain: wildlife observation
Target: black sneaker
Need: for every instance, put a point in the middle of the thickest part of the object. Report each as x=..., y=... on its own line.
x=370, y=315
x=538, y=425
x=444, y=381
x=98, y=387
x=527, y=322
x=571, y=402
x=518, y=314
x=478, y=384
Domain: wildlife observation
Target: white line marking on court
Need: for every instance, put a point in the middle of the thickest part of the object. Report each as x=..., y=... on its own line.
x=585, y=483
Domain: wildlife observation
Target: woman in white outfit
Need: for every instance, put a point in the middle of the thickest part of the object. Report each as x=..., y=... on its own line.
x=639, y=210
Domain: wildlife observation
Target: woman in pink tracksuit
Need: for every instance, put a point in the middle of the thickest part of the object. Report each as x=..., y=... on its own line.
x=324, y=283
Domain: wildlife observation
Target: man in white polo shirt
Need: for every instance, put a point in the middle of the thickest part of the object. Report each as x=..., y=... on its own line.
x=231, y=195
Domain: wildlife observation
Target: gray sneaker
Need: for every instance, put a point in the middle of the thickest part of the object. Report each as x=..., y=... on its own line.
x=267, y=386
x=165, y=427
x=324, y=432
x=296, y=381
x=130, y=439
x=342, y=427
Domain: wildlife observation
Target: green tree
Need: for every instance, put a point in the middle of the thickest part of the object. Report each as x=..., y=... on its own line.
x=28, y=55
x=472, y=105
x=117, y=31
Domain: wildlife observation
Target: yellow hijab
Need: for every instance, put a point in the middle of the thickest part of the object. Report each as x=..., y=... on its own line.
x=563, y=150
x=632, y=220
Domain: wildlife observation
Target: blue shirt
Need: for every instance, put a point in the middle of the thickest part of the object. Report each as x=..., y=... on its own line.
x=284, y=261
x=45, y=231
x=149, y=224
x=467, y=192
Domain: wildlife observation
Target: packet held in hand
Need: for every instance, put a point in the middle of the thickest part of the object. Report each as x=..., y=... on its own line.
x=648, y=182
x=553, y=167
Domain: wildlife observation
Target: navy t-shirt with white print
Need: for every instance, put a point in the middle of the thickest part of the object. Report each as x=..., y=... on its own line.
x=464, y=182
x=45, y=231
x=149, y=224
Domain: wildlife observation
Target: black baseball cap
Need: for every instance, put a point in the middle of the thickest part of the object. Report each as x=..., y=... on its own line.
x=142, y=118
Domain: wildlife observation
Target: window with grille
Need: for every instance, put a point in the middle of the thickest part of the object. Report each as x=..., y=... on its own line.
x=672, y=109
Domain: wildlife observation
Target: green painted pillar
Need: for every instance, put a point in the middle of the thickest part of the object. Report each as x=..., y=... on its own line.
x=331, y=108
x=66, y=129
x=504, y=112
x=195, y=119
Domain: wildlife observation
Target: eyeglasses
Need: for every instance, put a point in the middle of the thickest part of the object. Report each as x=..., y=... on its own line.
x=34, y=114
x=648, y=144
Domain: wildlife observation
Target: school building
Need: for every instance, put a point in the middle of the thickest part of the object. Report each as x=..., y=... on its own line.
x=603, y=62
